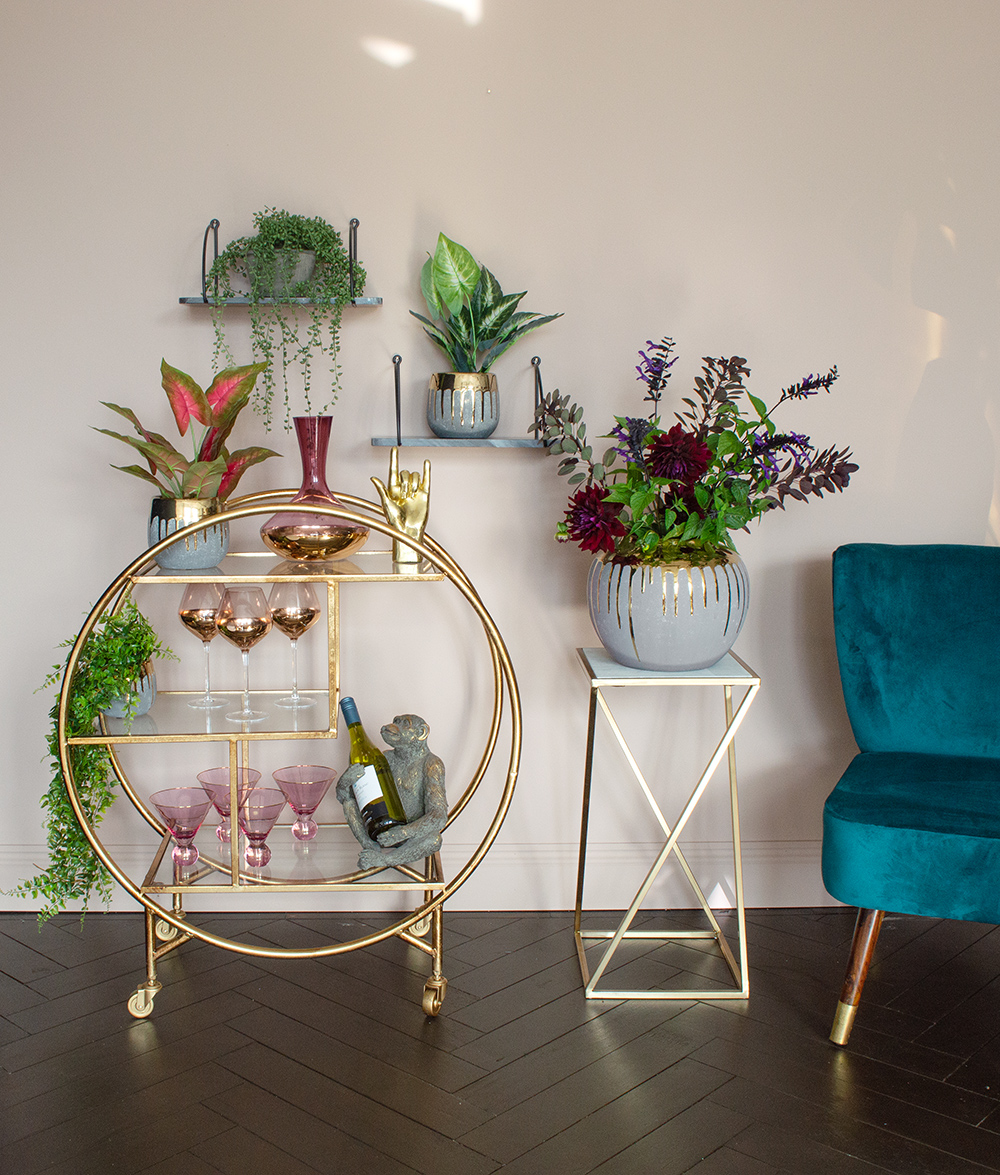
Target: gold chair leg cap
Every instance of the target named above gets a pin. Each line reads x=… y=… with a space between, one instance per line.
x=843 y=1022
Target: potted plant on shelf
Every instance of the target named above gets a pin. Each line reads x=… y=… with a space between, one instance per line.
x=474 y=322
x=288 y=261
x=667 y=590
x=192 y=489
x=114 y=662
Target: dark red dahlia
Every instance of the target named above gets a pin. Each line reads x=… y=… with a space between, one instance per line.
x=678 y=455
x=592 y=522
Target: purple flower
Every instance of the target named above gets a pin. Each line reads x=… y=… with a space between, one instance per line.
x=766 y=450
x=678 y=455
x=654 y=370
x=632 y=435
x=592 y=522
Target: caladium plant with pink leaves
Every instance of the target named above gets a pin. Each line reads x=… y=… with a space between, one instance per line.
x=212 y=472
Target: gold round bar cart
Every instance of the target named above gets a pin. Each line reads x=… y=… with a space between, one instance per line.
x=167 y=925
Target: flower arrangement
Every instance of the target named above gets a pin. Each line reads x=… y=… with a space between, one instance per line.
x=213 y=471
x=680 y=490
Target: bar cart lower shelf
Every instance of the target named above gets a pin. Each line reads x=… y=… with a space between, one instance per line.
x=327 y=864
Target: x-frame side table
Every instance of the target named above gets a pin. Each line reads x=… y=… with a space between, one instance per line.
x=727 y=674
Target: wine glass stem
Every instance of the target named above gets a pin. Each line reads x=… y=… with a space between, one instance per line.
x=208 y=680
x=295 y=675
x=246 y=680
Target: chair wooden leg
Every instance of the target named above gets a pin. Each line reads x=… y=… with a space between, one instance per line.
x=865 y=936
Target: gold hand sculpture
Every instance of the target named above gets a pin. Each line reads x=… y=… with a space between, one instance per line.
x=406 y=504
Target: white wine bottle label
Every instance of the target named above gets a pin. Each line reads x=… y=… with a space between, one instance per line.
x=367 y=789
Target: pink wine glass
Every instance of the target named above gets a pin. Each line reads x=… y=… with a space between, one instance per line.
x=304 y=787
x=257 y=814
x=215 y=781
x=183 y=809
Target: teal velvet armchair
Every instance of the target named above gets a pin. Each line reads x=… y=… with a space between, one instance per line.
x=913 y=826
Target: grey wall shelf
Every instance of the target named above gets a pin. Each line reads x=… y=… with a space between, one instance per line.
x=198 y=300
x=443 y=442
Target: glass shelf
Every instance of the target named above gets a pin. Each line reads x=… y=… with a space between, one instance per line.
x=461 y=442
x=171 y=719
x=263 y=567
x=322 y=863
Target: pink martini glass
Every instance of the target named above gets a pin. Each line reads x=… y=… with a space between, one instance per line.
x=257 y=814
x=215 y=781
x=304 y=787
x=183 y=809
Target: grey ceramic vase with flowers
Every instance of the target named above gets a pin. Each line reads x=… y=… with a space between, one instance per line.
x=668 y=591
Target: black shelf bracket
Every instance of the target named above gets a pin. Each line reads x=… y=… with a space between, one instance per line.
x=396 y=361
x=213 y=228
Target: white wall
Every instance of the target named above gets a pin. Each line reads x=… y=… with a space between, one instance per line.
x=801 y=183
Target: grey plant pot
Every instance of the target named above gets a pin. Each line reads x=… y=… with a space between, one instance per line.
x=670 y=618
x=463 y=405
x=201 y=545
x=146 y=686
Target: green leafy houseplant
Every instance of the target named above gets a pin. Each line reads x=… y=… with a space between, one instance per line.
x=212 y=472
x=260 y=267
x=109 y=666
x=679 y=492
x=474 y=320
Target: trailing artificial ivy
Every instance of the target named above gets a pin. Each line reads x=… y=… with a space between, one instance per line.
x=247 y=267
x=108 y=668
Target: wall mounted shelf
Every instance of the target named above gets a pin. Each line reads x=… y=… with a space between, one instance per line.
x=198 y=300
x=460 y=442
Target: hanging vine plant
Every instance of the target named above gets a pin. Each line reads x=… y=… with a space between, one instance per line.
x=108 y=669
x=288 y=260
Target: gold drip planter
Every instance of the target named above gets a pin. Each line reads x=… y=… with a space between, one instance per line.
x=668 y=617
x=463 y=405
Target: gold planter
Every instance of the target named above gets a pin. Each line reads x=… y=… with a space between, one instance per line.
x=463 y=404
x=203 y=544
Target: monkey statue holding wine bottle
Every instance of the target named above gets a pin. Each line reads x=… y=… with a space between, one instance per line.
x=418 y=776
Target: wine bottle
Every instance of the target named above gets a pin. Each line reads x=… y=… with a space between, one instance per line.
x=375 y=791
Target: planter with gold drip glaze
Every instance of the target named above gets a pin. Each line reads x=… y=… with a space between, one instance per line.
x=671 y=617
x=463 y=405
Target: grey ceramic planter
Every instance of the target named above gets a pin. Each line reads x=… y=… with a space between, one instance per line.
x=146 y=686
x=669 y=618
x=463 y=405
x=202 y=544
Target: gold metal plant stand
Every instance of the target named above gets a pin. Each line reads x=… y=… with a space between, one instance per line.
x=604 y=673
x=163 y=888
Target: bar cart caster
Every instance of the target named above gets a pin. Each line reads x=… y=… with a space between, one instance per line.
x=165 y=932
x=140 y=1002
x=434 y=990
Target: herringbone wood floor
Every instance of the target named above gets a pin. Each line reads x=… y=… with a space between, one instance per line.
x=291 y=1066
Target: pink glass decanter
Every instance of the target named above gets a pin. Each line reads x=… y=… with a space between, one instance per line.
x=306 y=537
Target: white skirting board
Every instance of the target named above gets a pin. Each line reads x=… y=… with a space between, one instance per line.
x=524 y=877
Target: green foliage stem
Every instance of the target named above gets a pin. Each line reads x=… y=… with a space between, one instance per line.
x=109 y=667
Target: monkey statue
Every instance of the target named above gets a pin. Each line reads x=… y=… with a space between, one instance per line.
x=419 y=776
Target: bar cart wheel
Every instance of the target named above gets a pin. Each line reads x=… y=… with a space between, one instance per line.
x=140 y=1002
x=434 y=990
x=165 y=932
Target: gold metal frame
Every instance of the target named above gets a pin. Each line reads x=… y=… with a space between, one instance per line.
x=170 y=926
x=604 y=673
